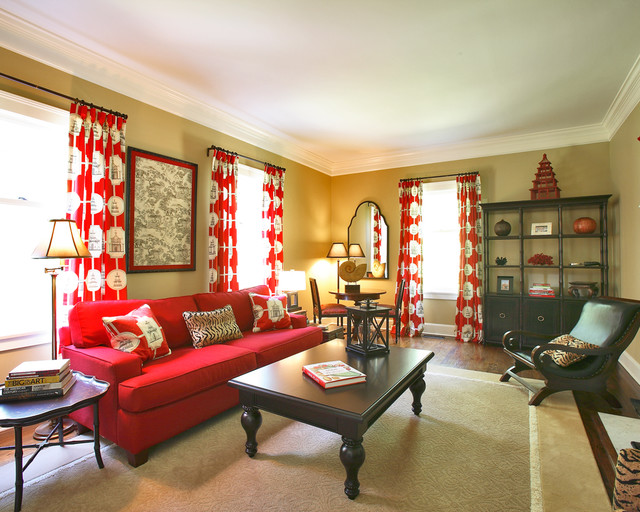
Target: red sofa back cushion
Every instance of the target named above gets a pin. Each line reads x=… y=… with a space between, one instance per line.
x=87 y=330
x=239 y=300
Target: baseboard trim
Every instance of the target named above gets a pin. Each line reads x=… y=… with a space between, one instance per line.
x=439 y=330
x=631 y=365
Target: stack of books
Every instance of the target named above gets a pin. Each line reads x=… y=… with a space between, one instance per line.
x=541 y=290
x=33 y=380
x=332 y=374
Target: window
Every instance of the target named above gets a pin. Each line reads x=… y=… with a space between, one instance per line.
x=251 y=247
x=441 y=240
x=33 y=162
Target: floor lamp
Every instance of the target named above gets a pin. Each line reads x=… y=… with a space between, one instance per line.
x=61 y=242
x=338 y=250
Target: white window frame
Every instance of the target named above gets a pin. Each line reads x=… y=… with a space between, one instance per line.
x=33 y=210
x=430 y=192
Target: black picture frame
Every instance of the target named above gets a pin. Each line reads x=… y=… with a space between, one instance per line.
x=505 y=284
x=161 y=212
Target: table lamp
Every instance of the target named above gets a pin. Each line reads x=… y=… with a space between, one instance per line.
x=337 y=250
x=62 y=242
x=291 y=282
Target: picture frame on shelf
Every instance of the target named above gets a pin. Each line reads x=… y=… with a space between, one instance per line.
x=161 y=212
x=505 y=284
x=541 y=228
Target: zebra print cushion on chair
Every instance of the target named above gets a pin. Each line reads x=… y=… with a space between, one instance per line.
x=626 y=492
x=211 y=327
x=562 y=358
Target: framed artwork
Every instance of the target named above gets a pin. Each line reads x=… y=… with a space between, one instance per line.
x=541 y=228
x=505 y=284
x=161 y=213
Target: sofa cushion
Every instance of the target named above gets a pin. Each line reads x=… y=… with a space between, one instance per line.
x=87 y=330
x=562 y=358
x=185 y=372
x=209 y=327
x=271 y=346
x=239 y=301
x=138 y=332
x=269 y=312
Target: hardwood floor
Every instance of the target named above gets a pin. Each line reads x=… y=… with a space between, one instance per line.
x=492 y=359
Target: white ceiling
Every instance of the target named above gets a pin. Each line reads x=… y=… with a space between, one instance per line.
x=355 y=85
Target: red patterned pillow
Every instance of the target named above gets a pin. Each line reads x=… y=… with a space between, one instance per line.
x=137 y=332
x=269 y=312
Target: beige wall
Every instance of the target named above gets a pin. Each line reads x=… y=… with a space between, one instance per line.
x=580 y=170
x=625 y=173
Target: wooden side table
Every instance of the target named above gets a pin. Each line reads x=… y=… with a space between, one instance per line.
x=86 y=391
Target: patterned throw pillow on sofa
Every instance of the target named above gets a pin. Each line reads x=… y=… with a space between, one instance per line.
x=211 y=327
x=269 y=312
x=562 y=358
x=137 y=332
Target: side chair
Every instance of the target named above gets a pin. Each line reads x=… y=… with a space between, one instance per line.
x=396 y=310
x=330 y=310
x=606 y=327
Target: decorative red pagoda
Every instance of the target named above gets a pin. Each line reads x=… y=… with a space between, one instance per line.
x=545 y=186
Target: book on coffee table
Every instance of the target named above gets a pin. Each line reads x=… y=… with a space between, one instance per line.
x=332 y=374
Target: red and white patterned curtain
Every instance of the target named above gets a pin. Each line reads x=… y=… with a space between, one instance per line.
x=377 y=234
x=410 y=257
x=272 y=213
x=95 y=193
x=469 y=303
x=223 y=233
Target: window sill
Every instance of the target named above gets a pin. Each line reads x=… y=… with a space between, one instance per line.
x=439 y=296
x=19 y=341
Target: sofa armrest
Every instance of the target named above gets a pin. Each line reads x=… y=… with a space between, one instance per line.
x=298 y=321
x=104 y=363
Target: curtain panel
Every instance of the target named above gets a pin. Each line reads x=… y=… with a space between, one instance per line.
x=469 y=303
x=410 y=257
x=272 y=214
x=223 y=234
x=95 y=201
x=377 y=234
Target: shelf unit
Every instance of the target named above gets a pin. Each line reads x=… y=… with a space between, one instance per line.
x=515 y=308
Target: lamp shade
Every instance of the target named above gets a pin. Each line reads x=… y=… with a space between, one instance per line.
x=292 y=281
x=62 y=241
x=338 y=250
x=355 y=251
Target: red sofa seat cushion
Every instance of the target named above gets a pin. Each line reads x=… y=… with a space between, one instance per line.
x=87 y=330
x=185 y=372
x=271 y=346
x=239 y=301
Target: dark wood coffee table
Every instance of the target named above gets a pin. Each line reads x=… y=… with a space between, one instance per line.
x=85 y=392
x=282 y=388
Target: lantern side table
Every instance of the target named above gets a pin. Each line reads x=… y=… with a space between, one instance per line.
x=365 y=326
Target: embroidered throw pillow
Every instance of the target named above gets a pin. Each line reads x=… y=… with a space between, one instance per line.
x=269 y=312
x=562 y=358
x=211 y=327
x=137 y=332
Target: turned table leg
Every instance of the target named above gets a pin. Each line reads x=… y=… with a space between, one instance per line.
x=251 y=420
x=417 y=388
x=352 y=458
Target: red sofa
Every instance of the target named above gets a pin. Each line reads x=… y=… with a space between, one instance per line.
x=147 y=404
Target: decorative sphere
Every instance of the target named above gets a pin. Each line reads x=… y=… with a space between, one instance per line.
x=502 y=228
x=584 y=225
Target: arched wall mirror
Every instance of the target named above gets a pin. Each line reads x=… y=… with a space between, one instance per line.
x=369 y=228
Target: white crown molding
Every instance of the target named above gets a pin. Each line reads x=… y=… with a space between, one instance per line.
x=26 y=39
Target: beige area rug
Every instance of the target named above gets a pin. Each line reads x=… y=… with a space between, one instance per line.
x=477 y=446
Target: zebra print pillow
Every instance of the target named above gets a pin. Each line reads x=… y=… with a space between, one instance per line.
x=562 y=358
x=211 y=327
x=626 y=492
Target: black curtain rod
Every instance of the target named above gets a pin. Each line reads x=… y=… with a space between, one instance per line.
x=77 y=100
x=216 y=148
x=441 y=176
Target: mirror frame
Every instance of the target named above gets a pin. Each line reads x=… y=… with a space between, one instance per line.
x=386 y=268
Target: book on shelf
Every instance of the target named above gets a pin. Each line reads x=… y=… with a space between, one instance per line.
x=12 y=396
x=332 y=374
x=36 y=383
x=541 y=290
x=42 y=368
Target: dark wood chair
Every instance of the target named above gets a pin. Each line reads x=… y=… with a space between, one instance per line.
x=396 y=309
x=610 y=323
x=320 y=311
